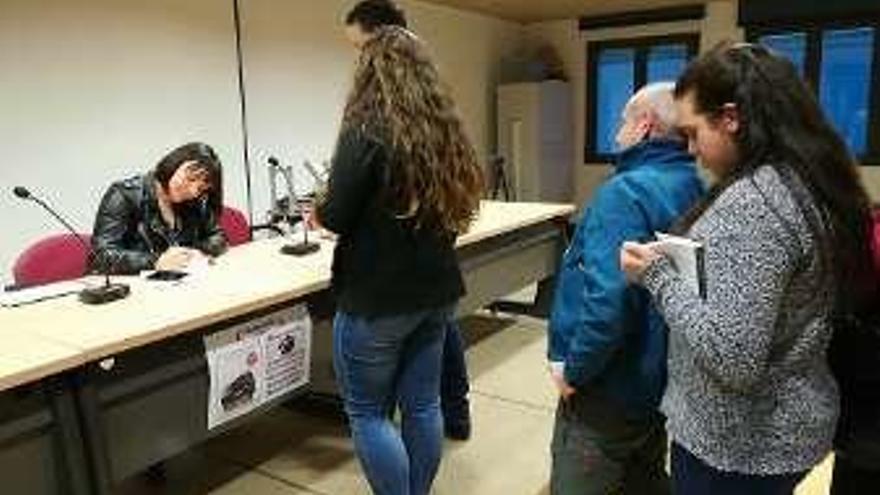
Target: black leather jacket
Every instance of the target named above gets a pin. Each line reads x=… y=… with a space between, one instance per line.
x=130 y=233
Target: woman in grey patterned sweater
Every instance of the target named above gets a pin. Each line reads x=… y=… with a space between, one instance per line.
x=751 y=403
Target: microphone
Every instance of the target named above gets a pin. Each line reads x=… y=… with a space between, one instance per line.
x=280 y=209
x=320 y=180
x=301 y=248
x=106 y=293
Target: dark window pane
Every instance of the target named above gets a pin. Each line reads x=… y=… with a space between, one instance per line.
x=845 y=83
x=616 y=71
x=791 y=45
x=666 y=62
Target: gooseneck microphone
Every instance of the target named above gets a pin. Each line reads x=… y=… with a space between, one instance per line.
x=102 y=294
x=304 y=247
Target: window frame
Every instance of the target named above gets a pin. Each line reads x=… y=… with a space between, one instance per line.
x=813 y=67
x=642 y=46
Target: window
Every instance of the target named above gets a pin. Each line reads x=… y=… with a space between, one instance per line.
x=792 y=45
x=616 y=70
x=667 y=62
x=841 y=63
x=614 y=84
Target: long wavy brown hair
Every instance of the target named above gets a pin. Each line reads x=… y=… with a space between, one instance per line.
x=398 y=99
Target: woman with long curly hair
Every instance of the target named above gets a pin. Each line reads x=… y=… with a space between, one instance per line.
x=404 y=183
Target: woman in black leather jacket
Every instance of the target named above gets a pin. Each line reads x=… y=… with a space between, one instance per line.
x=163 y=219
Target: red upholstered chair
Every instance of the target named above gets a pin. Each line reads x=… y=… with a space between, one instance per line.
x=235 y=226
x=52 y=259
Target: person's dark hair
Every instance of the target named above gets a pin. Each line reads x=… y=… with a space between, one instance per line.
x=205 y=159
x=781 y=124
x=373 y=14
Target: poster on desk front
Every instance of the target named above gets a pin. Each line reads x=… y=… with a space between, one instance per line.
x=256 y=362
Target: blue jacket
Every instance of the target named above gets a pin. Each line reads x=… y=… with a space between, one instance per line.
x=604 y=329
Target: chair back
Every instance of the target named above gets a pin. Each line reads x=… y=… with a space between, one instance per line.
x=52 y=259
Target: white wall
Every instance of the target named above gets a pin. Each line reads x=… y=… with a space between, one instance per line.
x=96 y=90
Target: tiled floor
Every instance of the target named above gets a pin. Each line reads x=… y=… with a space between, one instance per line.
x=291 y=452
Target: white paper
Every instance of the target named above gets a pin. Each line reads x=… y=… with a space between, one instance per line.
x=198 y=264
x=39 y=293
x=557 y=367
x=257 y=361
x=686 y=257
x=235 y=388
x=286 y=349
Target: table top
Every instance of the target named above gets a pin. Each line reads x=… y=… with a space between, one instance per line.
x=26 y=359
x=59 y=334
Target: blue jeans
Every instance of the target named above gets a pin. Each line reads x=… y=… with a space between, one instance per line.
x=692 y=476
x=380 y=361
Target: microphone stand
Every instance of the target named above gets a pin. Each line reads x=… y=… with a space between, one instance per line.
x=499 y=178
x=305 y=247
x=108 y=292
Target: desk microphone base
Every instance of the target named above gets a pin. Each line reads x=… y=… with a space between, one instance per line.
x=301 y=249
x=104 y=294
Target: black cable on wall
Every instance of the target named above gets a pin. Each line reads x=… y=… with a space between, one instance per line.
x=236 y=9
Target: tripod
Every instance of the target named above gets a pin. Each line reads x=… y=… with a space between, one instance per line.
x=499 y=177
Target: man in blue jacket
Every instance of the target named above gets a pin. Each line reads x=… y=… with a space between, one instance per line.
x=607 y=346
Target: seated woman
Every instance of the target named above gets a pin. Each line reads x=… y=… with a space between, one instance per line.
x=163 y=219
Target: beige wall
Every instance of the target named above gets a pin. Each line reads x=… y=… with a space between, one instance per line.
x=299 y=69
x=871 y=176
x=95 y=90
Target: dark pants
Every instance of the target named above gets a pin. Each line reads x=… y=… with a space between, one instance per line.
x=691 y=476
x=454 y=385
x=850 y=479
x=597 y=450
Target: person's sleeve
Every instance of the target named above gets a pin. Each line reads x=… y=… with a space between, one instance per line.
x=747 y=268
x=614 y=217
x=108 y=238
x=352 y=182
x=213 y=242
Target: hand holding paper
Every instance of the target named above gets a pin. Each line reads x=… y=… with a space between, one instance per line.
x=687 y=256
x=634 y=260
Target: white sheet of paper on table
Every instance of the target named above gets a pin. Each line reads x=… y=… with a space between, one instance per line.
x=40 y=293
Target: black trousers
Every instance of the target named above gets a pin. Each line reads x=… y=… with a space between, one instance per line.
x=597 y=450
x=692 y=476
x=454 y=386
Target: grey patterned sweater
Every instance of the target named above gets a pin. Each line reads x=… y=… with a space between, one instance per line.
x=749 y=389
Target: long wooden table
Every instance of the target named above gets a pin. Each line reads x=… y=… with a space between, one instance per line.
x=148 y=402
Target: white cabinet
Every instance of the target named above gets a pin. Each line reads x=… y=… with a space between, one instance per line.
x=535 y=138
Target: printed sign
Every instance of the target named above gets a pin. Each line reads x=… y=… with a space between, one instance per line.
x=257 y=361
